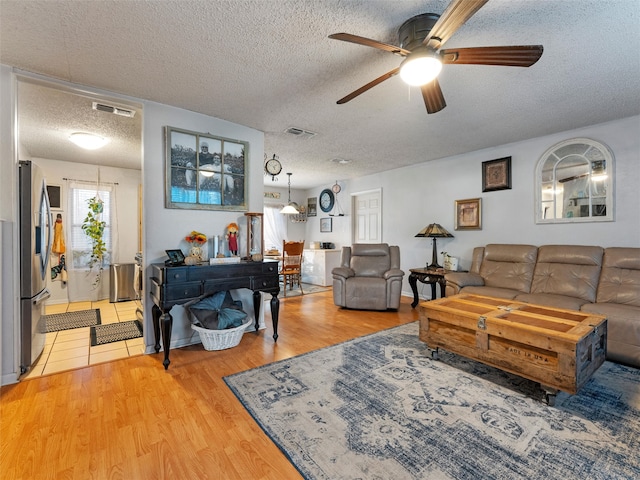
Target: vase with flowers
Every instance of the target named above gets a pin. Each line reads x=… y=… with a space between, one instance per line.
x=196 y=240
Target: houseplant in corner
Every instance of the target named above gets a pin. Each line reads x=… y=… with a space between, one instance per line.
x=93 y=227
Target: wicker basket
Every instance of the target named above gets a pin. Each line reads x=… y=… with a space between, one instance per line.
x=221 y=339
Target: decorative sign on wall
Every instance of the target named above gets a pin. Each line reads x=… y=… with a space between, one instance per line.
x=205 y=172
x=275 y=195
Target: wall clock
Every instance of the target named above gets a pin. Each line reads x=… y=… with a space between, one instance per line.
x=326 y=200
x=273 y=167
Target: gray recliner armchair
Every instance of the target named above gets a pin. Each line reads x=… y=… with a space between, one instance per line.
x=369 y=277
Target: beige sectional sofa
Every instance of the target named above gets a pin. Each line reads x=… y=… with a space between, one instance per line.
x=593 y=279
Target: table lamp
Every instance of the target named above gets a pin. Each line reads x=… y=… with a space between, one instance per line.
x=434 y=230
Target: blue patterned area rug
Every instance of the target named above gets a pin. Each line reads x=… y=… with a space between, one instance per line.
x=379 y=407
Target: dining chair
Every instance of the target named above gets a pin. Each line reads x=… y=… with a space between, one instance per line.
x=291 y=267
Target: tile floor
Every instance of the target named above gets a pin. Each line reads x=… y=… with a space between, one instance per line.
x=71 y=349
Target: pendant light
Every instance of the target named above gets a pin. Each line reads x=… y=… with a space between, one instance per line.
x=291 y=208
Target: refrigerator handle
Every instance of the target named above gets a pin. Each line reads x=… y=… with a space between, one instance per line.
x=49 y=214
x=41 y=297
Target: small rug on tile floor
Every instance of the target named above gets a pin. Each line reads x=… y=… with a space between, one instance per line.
x=115 y=332
x=379 y=407
x=307 y=288
x=69 y=320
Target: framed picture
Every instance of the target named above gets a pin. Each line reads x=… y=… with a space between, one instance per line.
x=312 y=206
x=204 y=172
x=176 y=257
x=496 y=174
x=325 y=224
x=468 y=214
x=55 y=196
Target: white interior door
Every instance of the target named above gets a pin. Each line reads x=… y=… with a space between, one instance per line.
x=367 y=218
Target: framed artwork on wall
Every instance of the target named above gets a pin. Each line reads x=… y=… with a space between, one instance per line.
x=496 y=174
x=468 y=214
x=312 y=206
x=55 y=196
x=204 y=172
x=325 y=224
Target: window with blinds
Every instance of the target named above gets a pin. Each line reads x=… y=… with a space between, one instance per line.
x=80 y=241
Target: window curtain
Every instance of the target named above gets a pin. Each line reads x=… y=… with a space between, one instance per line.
x=275 y=227
x=86 y=284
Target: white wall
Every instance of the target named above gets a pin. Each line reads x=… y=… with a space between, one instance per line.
x=416 y=196
x=8 y=211
x=165 y=228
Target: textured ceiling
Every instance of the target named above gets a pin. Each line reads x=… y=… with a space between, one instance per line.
x=270 y=65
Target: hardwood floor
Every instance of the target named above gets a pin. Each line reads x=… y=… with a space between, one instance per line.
x=130 y=419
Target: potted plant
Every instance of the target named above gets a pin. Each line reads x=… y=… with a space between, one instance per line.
x=93 y=227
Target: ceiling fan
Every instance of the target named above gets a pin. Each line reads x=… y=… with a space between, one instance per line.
x=421 y=39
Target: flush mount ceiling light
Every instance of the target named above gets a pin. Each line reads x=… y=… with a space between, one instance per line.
x=420 y=67
x=88 y=141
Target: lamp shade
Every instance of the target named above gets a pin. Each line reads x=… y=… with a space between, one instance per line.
x=291 y=208
x=434 y=230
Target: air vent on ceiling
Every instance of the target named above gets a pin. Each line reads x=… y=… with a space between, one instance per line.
x=341 y=161
x=300 y=133
x=123 y=112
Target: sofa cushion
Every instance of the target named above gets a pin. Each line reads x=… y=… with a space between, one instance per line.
x=623 y=331
x=509 y=266
x=552 y=300
x=620 y=277
x=568 y=270
x=505 y=293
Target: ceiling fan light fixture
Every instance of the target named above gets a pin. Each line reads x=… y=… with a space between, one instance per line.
x=88 y=141
x=420 y=68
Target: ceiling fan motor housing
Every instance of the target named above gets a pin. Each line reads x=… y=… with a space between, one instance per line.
x=412 y=32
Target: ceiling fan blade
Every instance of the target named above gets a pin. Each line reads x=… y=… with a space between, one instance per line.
x=367 y=42
x=458 y=12
x=433 y=97
x=514 y=56
x=369 y=85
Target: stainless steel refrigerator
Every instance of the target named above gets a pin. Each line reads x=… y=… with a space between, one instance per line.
x=35 y=246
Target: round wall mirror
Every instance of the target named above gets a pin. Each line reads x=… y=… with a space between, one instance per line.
x=574 y=183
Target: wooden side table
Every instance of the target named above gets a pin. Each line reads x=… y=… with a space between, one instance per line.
x=428 y=277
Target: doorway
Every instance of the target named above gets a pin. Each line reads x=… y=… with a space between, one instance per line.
x=48 y=112
x=367 y=217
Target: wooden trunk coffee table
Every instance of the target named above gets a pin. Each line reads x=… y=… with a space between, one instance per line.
x=560 y=349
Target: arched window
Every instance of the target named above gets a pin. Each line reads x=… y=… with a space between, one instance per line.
x=574 y=183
